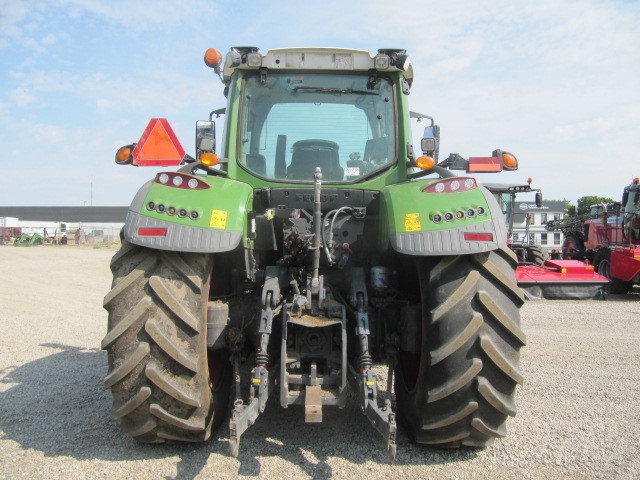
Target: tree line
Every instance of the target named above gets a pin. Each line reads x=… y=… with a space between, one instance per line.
x=583 y=205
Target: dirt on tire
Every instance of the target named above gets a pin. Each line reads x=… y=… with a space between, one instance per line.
x=156 y=344
x=464 y=389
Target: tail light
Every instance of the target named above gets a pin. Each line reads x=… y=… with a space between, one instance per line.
x=181 y=180
x=451 y=185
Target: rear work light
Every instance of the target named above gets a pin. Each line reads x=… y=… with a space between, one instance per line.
x=180 y=180
x=152 y=232
x=451 y=185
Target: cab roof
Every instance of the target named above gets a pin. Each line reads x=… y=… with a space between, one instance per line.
x=318 y=58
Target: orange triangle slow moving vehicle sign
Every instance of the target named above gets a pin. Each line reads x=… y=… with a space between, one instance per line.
x=158 y=146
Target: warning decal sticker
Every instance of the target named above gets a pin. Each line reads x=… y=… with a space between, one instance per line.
x=218 y=219
x=412 y=222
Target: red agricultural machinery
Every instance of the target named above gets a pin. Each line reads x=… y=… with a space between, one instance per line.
x=537 y=275
x=609 y=238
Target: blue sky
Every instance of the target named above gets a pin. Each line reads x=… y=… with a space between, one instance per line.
x=555 y=82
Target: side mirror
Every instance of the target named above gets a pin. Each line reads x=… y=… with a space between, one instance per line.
x=431 y=141
x=205 y=137
x=538 y=199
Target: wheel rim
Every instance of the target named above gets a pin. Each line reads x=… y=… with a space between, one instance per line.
x=603 y=268
x=567 y=248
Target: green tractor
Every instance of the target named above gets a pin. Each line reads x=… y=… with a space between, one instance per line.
x=311 y=246
x=28 y=240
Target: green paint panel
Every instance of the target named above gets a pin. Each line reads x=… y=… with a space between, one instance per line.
x=409 y=209
x=224 y=206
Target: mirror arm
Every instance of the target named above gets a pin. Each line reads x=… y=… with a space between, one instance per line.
x=455 y=162
x=443 y=172
x=217 y=113
x=187 y=159
x=190 y=168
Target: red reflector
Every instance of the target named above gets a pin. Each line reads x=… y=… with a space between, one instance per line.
x=152 y=232
x=484 y=164
x=478 y=237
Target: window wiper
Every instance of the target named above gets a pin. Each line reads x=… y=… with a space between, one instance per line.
x=339 y=91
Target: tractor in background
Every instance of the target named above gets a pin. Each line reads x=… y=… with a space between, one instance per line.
x=526 y=252
x=537 y=275
x=608 y=238
x=28 y=240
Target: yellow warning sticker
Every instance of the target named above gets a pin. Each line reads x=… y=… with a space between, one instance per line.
x=412 y=222
x=218 y=219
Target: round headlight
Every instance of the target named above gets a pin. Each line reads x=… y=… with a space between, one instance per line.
x=439 y=187
x=192 y=183
x=455 y=185
x=177 y=180
x=163 y=178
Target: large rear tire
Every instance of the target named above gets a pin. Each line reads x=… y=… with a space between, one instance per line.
x=602 y=264
x=458 y=390
x=536 y=255
x=571 y=247
x=164 y=385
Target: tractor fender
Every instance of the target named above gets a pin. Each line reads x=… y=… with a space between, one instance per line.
x=415 y=223
x=202 y=221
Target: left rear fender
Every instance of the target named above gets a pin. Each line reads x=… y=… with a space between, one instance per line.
x=215 y=219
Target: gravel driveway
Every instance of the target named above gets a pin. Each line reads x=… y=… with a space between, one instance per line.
x=578 y=412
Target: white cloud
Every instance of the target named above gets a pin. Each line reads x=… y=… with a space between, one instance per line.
x=142 y=14
x=49 y=40
x=48 y=134
x=12 y=13
x=553 y=81
x=22 y=97
x=4 y=112
x=103 y=105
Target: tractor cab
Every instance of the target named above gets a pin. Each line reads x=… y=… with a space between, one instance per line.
x=631 y=213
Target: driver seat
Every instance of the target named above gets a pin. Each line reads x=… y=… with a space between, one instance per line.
x=308 y=154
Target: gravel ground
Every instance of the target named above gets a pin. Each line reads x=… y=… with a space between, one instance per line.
x=578 y=414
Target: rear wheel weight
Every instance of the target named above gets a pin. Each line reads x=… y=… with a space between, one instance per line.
x=462 y=389
x=159 y=372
